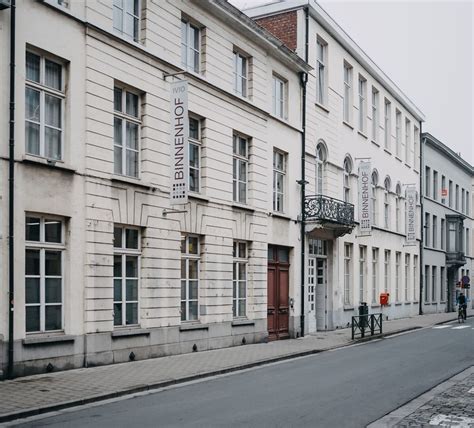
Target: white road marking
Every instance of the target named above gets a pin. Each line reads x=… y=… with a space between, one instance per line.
x=471 y=391
x=459 y=327
x=452 y=421
x=441 y=326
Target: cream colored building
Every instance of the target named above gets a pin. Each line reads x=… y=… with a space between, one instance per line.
x=105 y=269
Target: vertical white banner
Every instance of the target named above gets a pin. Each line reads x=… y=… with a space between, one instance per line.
x=179 y=143
x=411 y=216
x=365 y=197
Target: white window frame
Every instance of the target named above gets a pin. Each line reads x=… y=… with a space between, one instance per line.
x=427 y=229
x=398 y=133
x=125 y=119
x=44 y=91
x=279 y=195
x=362 y=272
x=320 y=164
x=362 y=104
x=416 y=138
x=279 y=97
x=416 y=279
x=387 y=262
x=435 y=185
x=387 y=123
x=348 y=252
x=119 y=8
x=346 y=180
x=321 y=70
x=187 y=256
x=442 y=283
x=434 y=283
x=239 y=260
x=386 y=203
x=375 y=114
x=241 y=77
x=188 y=50
x=238 y=160
x=375 y=273
x=43 y=246
x=347 y=97
x=407 y=140
x=407 y=276
x=125 y=252
x=434 y=240
x=198 y=144
x=398 y=276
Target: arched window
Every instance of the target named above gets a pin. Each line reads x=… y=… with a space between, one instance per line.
x=374 y=182
x=398 y=197
x=386 y=202
x=347 y=179
x=321 y=157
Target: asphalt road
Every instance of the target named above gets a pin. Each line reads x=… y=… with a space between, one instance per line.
x=349 y=387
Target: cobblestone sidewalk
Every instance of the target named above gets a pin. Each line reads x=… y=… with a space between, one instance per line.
x=32 y=395
x=450 y=404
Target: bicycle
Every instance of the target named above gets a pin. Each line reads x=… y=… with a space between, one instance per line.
x=461 y=313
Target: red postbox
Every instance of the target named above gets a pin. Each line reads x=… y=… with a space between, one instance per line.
x=384 y=298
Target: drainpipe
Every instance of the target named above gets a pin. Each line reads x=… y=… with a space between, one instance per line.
x=303 y=81
x=422 y=220
x=11 y=179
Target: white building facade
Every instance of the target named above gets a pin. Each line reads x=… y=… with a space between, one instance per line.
x=105 y=268
x=354 y=114
x=448 y=220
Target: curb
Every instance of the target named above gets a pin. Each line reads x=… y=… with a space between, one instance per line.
x=8 y=417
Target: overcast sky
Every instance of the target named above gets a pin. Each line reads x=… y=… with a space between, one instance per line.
x=427 y=48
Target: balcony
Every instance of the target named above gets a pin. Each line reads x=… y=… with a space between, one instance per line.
x=455 y=259
x=335 y=217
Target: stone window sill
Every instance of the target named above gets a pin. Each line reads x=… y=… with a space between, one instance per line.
x=242 y=207
x=280 y=215
x=193 y=327
x=348 y=124
x=348 y=308
x=48 y=163
x=198 y=197
x=130 y=332
x=132 y=180
x=242 y=322
x=362 y=135
x=42 y=339
x=322 y=107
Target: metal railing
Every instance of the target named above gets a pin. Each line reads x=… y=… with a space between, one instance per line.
x=321 y=207
x=362 y=325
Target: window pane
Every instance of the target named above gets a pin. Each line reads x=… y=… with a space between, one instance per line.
x=242 y=270
x=194 y=155
x=193 y=269
x=32 y=135
x=117 y=290
x=195 y=61
x=117 y=160
x=194 y=37
x=183 y=245
x=117 y=266
x=193 y=311
x=32 y=67
x=117 y=99
x=242 y=250
x=131 y=290
x=194 y=180
x=32 y=108
x=129 y=26
x=53 y=317
x=32 y=290
x=32 y=318
x=132 y=163
x=183 y=290
x=32 y=262
x=117 y=314
x=243 y=171
x=52 y=263
x=283 y=255
x=53 y=291
x=52 y=111
x=118 y=13
x=52 y=230
x=118 y=237
x=52 y=143
x=131 y=267
x=53 y=75
x=131 y=238
x=243 y=147
x=242 y=193
x=183 y=268
x=132 y=313
x=132 y=135
x=183 y=311
x=193 y=290
x=193 y=243
x=32 y=229
x=118 y=131
x=193 y=128
x=242 y=308
x=132 y=104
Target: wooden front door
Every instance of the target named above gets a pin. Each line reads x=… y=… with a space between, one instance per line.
x=278 y=307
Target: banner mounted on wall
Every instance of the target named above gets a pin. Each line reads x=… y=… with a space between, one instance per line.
x=411 y=216
x=365 y=197
x=179 y=142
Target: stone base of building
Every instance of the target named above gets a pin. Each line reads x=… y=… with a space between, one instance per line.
x=50 y=353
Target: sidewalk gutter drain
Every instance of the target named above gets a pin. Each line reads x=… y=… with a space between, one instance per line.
x=49 y=368
x=195 y=348
x=131 y=357
x=243 y=341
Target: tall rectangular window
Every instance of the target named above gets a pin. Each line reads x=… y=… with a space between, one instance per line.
x=443 y=234
x=279 y=97
x=435 y=185
x=44 y=99
x=126 y=132
x=427 y=283
x=416 y=140
x=347 y=273
x=463 y=201
x=434 y=243
x=398 y=133
x=443 y=190
x=407 y=277
x=190 y=258
x=362 y=103
x=279 y=178
x=434 y=283
x=44 y=273
x=126 y=15
x=407 y=140
x=362 y=272
x=240 y=168
x=442 y=283
x=450 y=194
x=398 y=276
x=468 y=249
x=321 y=58
x=386 y=209
x=375 y=273
x=240 y=74
x=387 y=123
x=239 y=279
x=190 y=46
x=456 y=196
x=375 y=114
x=195 y=143
x=347 y=112
x=427 y=230
x=468 y=211
x=386 y=270
x=427 y=181
x=416 y=280
x=126 y=275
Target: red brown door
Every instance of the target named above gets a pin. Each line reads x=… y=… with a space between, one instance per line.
x=278 y=311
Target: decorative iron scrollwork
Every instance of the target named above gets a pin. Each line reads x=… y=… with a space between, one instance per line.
x=320 y=207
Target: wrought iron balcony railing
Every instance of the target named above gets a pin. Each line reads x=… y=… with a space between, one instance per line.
x=324 y=208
